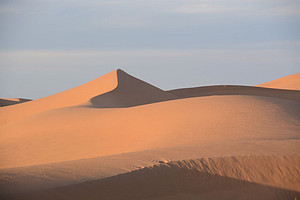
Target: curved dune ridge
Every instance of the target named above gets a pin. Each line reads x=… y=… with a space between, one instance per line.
x=236 y=90
x=117 y=123
x=71 y=97
x=290 y=82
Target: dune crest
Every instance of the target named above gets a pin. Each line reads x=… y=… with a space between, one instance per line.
x=290 y=82
x=71 y=97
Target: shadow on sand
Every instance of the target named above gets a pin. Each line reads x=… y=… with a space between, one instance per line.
x=125 y=98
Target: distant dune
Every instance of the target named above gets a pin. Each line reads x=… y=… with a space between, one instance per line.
x=118 y=137
x=12 y=101
x=291 y=82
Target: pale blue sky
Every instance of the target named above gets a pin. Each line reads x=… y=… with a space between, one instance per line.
x=47 y=46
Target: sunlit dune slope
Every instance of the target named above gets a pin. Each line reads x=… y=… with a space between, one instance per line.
x=83 y=132
x=70 y=97
x=290 y=82
x=12 y=101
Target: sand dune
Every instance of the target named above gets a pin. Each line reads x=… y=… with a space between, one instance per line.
x=12 y=101
x=291 y=82
x=117 y=123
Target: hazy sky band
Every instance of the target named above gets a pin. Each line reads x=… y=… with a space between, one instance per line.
x=206 y=42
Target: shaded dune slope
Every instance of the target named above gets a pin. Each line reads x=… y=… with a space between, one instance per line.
x=246 y=177
x=290 y=82
x=130 y=91
x=236 y=90
x=12 y=101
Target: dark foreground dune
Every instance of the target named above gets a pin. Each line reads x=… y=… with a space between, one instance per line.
x=246 y=177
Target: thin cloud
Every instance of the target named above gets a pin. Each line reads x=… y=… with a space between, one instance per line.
x=289 y=10
x=9 y=9
x=203 y=8
x=115 y=2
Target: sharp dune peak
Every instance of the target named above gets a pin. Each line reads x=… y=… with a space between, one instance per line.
x=130 y=91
